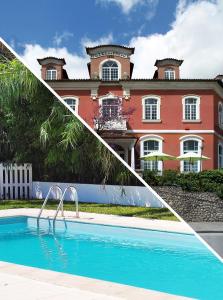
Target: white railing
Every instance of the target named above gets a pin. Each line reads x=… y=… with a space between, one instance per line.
x=113 y=124
x=54 y=191
x=15 y=181
x=73 y=197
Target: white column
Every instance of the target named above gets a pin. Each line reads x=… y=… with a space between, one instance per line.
x=133 y=157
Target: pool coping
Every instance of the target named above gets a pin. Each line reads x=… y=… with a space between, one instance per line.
x=95 y=286
x=105 y=219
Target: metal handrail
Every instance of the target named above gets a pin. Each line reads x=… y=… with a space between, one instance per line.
x=60 y=205
x=58 y=190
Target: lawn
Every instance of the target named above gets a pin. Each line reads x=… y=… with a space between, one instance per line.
x=111 y=209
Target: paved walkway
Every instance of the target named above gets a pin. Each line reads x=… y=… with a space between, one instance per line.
x=212 y=233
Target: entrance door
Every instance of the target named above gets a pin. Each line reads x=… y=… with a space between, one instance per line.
x=119 y=149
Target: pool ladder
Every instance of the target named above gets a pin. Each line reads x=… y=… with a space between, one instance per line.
x=59 y=195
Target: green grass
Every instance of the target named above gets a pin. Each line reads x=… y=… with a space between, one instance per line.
x=111 y=209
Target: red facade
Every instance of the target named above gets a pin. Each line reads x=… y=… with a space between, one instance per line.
x=139 y=116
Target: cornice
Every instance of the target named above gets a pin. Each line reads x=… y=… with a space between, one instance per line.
x=129 y=85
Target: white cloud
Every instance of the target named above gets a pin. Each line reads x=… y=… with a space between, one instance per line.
x=86 y=42
x=59 y=38
x=128 y=5
x=195 y=36
x=76 y=65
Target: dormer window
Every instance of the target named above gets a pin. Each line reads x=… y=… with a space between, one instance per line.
x=169 y=74
x=51 y=73
x=110 y=70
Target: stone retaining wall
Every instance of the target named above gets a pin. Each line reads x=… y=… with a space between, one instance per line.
x=192 y=206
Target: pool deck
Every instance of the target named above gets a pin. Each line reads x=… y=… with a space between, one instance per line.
x=27 y=283
x=212 y=233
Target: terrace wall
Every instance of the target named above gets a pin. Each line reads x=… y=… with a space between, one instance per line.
x=112 y=194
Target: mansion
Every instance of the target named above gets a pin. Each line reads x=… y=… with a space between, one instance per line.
x=138 y=116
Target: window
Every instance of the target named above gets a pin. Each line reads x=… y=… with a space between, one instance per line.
x=51 y=73
x=220 y=155
x=191 y=108
x=110 y=70
x=220 y=114
x=169 y=74
x=148 y=144
x=191 y=145
x=72 y=102
x=151 y=108
x=110 y=108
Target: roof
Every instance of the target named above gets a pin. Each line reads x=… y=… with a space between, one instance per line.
x=168 y=61
x=41 y=60
x=88 y=49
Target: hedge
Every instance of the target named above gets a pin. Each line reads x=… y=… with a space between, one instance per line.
x=205 y=181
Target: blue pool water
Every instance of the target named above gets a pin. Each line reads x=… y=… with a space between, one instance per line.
x=162 y=261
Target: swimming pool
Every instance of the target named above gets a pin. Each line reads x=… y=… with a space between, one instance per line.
x=167 y=262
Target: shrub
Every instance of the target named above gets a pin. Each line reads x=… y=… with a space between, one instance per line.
x=189 y=185
x=151 y=177
x=215 y=176
x=208 y=186
x=220 y=192
x=169 y=177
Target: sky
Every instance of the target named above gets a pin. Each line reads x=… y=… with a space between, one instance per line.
x=183 y=29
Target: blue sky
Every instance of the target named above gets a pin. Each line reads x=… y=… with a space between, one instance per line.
x=183 y=29
x=43 y=20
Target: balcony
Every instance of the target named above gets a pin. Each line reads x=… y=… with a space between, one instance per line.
x=119 y=124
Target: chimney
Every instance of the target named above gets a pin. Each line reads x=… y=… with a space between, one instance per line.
x=167 y=69
x=52 y=68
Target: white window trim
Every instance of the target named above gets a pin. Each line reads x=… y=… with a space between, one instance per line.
x=197 y=107
x=109 y=96
x=51 y=69
x=170 y=70
x=220 y=143
x=64 y=97
x=149 y=137
x=220 y=118
x=158 y=98
x=110 y=59
x=193 y=138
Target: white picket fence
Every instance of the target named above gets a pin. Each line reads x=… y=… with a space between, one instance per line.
x=15 y=181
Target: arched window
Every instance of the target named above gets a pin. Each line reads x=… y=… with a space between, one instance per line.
x=110 y=108
x=194 y=145
x=191 y=108
x=110 y=70
x=220 y=155
x=151 y=108
x=51 y=73
x=220 y=114
x=72 y=102
x=169 y=74
x=148 y=145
